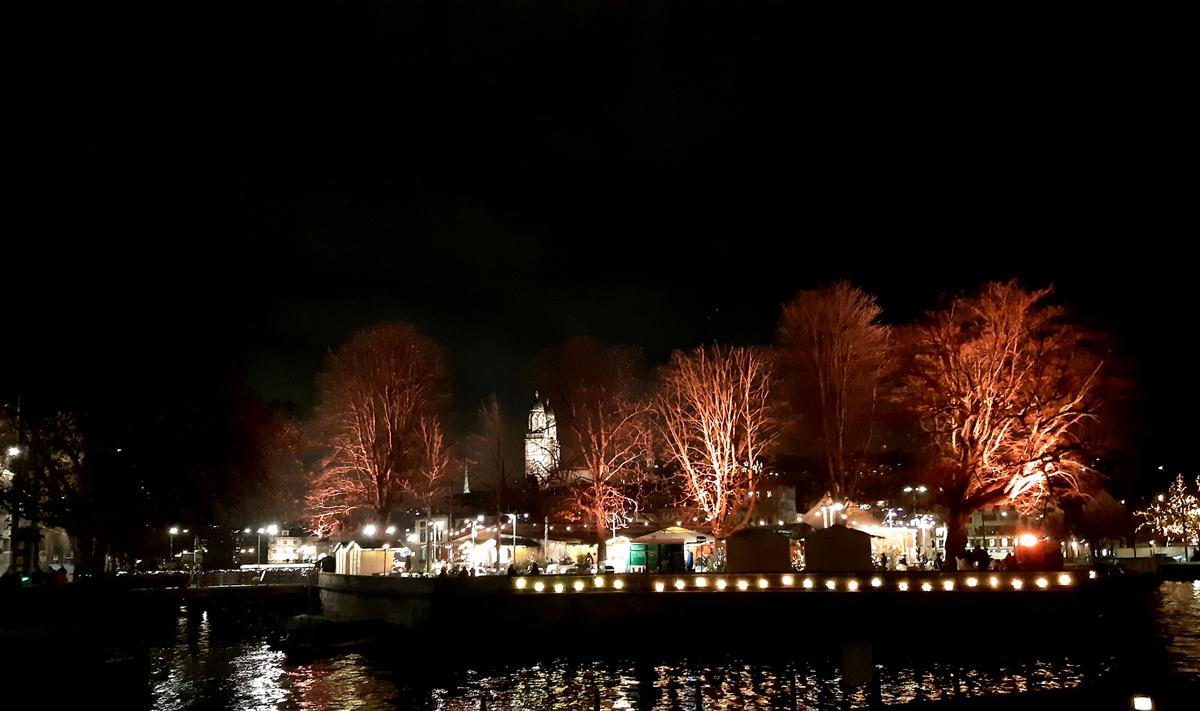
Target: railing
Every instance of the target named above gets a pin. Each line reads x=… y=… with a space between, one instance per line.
x=862 y=583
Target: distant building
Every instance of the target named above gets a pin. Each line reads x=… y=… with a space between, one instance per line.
x=541 y=441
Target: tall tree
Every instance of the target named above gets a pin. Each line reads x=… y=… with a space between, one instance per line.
x=835 y=349
x=717 y=425
x=430 y=486
x=376 y=393
x=1005 y=387
x=604 y=412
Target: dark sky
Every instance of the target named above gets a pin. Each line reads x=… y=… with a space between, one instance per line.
x=239 y=192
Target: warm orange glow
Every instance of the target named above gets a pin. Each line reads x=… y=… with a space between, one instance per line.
x=852 y=585
x=721 y=585
x=618 y=584
x=1042 y=582
x=808 y=583
x=1064 y=579
x=994 y=581
x=558 y=587
x=701 y=582
x=1028 y=540
x=947 y=584
x=680 y=585
x=520 y=583
x=660 y=586
x=742 y=584
x=787 y=580
x=598 y=581
x=539 y=586
x=578 y=585
x=902 y=585
x=972 y=582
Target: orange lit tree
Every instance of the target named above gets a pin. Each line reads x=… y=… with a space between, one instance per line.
x=717 y=426
x=1006 y=390
x=429 y=486
x=378 y=394
x=603 y=412
x=834 y=348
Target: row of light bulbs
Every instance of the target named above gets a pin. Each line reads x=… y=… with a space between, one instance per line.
x=994 y=582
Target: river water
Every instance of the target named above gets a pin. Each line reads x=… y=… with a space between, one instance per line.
x=203 y=663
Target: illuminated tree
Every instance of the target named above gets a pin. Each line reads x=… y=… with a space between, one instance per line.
x=377 y=395
x=833 y=345
x=1006 y=390
x=717 y=427
x=430 y=486
x=1174 y=514
x=604 y=414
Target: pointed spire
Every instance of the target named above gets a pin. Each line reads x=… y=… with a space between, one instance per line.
x=466 y=479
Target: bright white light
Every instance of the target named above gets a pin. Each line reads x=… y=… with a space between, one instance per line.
x=947 y=585
x=539 y=586
x=721 y=585
x=1042 y=582
x=598 y=581
x=14 y=451
x=787 y=580
x=680 y=585
x=578 y=585
x=994 y=581
x=558 y=587
x=660 y=586
x=762 y=583
x=390 y=530
x=174 y=530
x=852 y=585
x=926 y=587
x=831 y=584
x=903 y=586
x=701 y=582
x=876 y=582
x=1091 y=575
x=272 y=529
x=972 y=582
x=1016 y=583
x=1064 y=579
x=808 y=583
x=1028 y=540
x=369 y=529
x=1143 y=703
x=245 y=530
x=618 y=584
x=743 y=584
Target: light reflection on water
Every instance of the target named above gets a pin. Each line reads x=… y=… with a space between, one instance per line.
x=243 y=671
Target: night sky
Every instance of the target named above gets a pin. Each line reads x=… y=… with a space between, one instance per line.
x=236 y=194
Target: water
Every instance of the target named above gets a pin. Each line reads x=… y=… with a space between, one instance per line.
x=205 y=663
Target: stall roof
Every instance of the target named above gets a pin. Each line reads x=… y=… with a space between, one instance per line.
x=669 y=535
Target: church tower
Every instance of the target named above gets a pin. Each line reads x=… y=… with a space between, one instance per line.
x=541 y=441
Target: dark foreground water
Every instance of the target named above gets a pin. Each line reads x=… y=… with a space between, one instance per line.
x=200 y=661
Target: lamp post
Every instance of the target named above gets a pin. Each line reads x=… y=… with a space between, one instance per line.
x=172 y=531
x=512 y=558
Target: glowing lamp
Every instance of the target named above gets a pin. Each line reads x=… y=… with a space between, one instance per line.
x=972 y=582
x=598 y=581
x=852 y=585
x=831 y=584
x=721 y=584
x=762 y=583
x=1064 y=579
x=742 y=584
x=578 y=585
x=926 y=587
x=1143 y=703
x=947 y=585
x=876 y=582
x=680 y=585
x=1016 y=583
x=994 y=581
x=1042 y=583
x=1091 y=575
x=539 y=586
x=660 y=586
x=618 y=584
x=808 y=583
x=558 y=587
x=787 y=580
x=1028 y=540
x=520 y=583
x=902 y=586
x=701 y=582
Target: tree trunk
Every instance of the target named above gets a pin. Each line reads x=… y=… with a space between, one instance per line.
x=956 y=536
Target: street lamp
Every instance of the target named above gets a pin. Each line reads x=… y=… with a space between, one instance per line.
x=174 y=531
x=512 y=558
